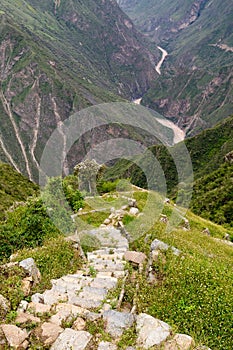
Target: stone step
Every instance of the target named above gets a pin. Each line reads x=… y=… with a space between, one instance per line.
x=104 y=282
x=83 y=302
x=110 y=266
x=93 y=293
x=106 y=256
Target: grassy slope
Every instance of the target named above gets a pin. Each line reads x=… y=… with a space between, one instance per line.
x=193 y=293
x=213 y=186
x=13 y=188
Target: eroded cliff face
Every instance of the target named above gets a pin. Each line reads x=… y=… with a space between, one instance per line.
x=47 y=73
x=162 y=21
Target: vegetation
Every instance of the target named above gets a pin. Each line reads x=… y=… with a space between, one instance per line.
x=13 y=188
x=212 y=192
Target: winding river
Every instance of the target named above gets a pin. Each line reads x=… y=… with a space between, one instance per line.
x=179 y=135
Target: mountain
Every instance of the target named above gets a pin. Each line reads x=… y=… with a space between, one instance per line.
x=211 y=156
x=58 y=58
x=195 y=87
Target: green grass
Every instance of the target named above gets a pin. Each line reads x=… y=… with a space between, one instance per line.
x=54 y=259
x=192 y=293
x=13 y=188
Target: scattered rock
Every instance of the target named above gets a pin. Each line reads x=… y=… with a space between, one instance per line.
x=22 y=306
x=163 y=219
x=105 y=345
x=158 y=245
x=48 y=332
x=117 y=322
x=135 y=257
x=30 y=267
x=133 y=211
x=26 y=318
x=4 y=306
x=79 y=324
x=14 y=335
x=26 y=285
x=227 y=237
x=179 y=342
x=92 y=316
x=186 y=224
x=39 y=308
x=66 y=312
x=132 y=202
x=107 y=221
x=151 y=331
x=206 y=231
x=37 y=298
x=71 y=339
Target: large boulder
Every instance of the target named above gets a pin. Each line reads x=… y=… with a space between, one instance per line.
x=30 y=267
x=151 y=331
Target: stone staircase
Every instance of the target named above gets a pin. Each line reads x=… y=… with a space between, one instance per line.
x=76 y=299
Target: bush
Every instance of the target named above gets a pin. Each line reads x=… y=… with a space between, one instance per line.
x=27 y=226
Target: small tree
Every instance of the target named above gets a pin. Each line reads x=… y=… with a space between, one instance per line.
x=87 y=173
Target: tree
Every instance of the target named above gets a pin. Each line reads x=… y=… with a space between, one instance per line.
x=88 y=173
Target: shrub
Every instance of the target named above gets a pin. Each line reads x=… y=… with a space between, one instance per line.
x=27 y=226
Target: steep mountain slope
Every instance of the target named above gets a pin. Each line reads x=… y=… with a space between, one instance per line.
x=57 y=58
x=211 y=155
x=195 y=88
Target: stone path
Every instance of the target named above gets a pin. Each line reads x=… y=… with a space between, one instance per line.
x=76 y=299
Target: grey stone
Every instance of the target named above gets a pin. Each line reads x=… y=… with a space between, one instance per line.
x=52 y=297
x=133 y=211
x=151 y=331
x=206 y=231
x=71 y=339
x=105 y=345
x=4 y=305
x=117 y=322
x=30 y=267
x=22 y=306
x=160 y=245
x=37 y=298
